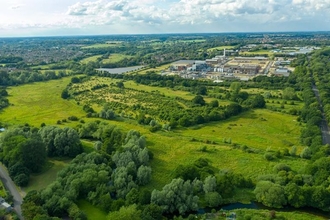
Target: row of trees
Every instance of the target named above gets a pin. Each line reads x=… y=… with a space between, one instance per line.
x=23 y=77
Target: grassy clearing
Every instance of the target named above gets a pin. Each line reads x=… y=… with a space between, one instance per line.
x=42 y=180
x=42 y=67
x=116 y=57
x=157 y=69
x=91 y=211
x=39 y=102
x=174 y=148
x=220 y=48
x=101 y=46
x=90 y=59
x=3 y=192
x=268 y=52
x=113 y=58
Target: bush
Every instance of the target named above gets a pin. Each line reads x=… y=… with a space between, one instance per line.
x=269 y=156
x=73 y=118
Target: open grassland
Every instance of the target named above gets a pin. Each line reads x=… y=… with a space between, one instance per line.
x=116 y=57
x=261 y=130
x=113 y=58
x=268 y=52
x=39 y=102
x=183 y=146
x=90 y=59
x=91 y=211
x=101 y=46
x=3 y=192
x=47 y=176
x=157 y=69
x=220 y=48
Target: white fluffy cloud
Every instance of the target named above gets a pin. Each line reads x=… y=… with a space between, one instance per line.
x=157 y=16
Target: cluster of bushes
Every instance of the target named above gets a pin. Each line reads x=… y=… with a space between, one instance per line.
x=106 y=181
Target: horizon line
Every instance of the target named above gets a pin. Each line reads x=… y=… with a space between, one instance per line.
x=165 y=33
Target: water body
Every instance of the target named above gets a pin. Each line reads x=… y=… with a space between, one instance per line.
x=119 y=70
x=255 y=205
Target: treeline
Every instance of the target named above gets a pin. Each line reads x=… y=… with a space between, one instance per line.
x=4 y=102
x=320 y=69
x=10 y=59
x=23 y=77
x=24 y=149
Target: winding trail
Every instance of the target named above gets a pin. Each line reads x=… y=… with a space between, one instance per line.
x=11 y=187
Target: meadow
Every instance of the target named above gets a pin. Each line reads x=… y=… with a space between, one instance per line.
x=113 y=58
x=38 y=103
x=220 y=48
x=268 y=52
x=260 y=130
x=47 y=176
x=95 y=46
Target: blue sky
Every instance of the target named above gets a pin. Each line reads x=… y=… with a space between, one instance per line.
x=89 y=17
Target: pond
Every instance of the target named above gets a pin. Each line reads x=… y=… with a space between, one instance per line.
x=119 y=70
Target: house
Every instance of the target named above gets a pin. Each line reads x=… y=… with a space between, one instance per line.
x=282 y=72
x=5 y=205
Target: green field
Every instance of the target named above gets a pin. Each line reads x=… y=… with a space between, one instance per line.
x=91 y=211
x=174 y=148
x=39 y=102
x=157 y=69
x=42 y=180
x=220 y=48
x=90 y=59
x=3 y=192
x=101 y=46
x=268 y=52
x=113 y=58
x=116 y=57
x=261 y=130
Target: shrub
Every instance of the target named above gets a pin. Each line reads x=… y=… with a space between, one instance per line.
x=269 y=156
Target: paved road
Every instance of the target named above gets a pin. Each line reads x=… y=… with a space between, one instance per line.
x=324 y=124
x=11 y=187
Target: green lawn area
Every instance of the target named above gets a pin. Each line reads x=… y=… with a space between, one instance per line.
x=91 y=211
x=101 y=46
x=3 y=192
x=42 y=180
x=113 y=58
x=90 y=59
x=220 y=48
x=39 y=102
x=42 y=67
x=157 y=69
x=116 y=57
x=268 y=52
